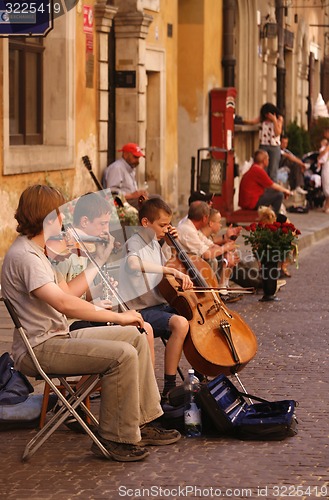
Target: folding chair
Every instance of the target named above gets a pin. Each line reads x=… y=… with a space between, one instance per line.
x=69 y=404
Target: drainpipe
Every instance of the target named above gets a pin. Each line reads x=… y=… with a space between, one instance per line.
x=280 y=67
x=111 y=153
x=228 y=60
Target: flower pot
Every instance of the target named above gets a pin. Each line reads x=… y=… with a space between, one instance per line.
x=270 y=275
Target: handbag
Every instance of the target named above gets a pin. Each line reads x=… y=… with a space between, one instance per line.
x=14 y=386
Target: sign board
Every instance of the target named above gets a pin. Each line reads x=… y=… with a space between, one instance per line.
x=31 y=17
x=27 y=18
x=88 y=19
x=125 y=79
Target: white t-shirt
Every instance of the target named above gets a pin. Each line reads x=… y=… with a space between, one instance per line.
x=267 y=136
x=136 y=288
x=190 y=239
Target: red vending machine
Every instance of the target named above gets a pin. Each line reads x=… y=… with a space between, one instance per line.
x=221 y=125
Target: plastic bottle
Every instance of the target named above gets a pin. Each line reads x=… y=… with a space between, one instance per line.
x=192 y=413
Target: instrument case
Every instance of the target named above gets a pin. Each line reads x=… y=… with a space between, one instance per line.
x=230 y=412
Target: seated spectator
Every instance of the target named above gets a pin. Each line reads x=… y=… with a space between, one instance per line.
x=193 y=241
x=257 y=188
x=296 y=167
x=120 y=176
x=198 y=196
x=211 y=233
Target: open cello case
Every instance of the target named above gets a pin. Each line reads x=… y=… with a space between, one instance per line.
x=219 y=345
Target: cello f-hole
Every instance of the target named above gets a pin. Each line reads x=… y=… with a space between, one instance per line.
x=202 y=322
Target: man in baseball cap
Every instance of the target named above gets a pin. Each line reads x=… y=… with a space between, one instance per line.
x=120 y=176
x=132 y=148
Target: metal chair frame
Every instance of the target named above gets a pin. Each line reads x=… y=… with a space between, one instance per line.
x=75 y=398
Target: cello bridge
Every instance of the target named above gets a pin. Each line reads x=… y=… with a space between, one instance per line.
x=214 y=308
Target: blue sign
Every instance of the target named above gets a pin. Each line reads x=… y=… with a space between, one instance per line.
x=28 y=18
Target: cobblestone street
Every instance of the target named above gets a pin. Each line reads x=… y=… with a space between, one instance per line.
x=291 y=363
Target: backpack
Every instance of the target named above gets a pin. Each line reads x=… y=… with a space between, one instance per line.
x=18 y=408
x=14 y=386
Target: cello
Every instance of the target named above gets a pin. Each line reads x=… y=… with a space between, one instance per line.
x=219 y=340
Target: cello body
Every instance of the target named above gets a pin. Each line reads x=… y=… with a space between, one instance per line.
x=219 y=340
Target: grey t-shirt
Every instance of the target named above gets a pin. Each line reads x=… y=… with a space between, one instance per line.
x=26 y=268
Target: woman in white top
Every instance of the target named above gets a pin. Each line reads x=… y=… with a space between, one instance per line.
x=271 y=122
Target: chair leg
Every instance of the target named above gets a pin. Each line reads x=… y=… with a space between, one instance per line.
x=70 y=406
x=44 y=407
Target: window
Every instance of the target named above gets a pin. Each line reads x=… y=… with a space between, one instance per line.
x=25 y=90
x=38 y=81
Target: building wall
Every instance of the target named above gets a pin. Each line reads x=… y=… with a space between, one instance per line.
x=199 y=70
x=70 y=125
x=257 y=58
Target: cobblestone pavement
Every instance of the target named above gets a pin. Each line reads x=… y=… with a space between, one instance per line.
x=291 y=363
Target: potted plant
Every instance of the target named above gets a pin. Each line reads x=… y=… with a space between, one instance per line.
x=271 y=244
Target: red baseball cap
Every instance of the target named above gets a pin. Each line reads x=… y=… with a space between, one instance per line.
x=133 y=148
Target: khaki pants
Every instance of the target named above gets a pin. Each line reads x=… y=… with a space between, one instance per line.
x=129 y=396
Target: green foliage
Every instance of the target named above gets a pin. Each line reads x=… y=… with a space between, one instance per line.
x=316 y=132
x=299 y=139
x=271 y=242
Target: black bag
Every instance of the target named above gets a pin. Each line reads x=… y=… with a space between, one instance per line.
x=231 y=414
x=14 y=386
x=173 y=409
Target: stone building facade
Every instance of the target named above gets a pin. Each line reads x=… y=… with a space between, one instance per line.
x=116 y=71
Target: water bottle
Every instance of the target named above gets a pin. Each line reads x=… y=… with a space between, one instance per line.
x=192 y=413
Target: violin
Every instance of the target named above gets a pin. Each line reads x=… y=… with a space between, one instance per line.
x=219 y=340
x=60 y=247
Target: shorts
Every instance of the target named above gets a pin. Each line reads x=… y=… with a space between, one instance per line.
x=159 y=317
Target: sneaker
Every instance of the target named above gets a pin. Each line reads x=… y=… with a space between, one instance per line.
x=121 y=452
x=155 y=435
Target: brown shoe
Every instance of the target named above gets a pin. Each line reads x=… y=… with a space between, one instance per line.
x=155 y=435
x=121 y=452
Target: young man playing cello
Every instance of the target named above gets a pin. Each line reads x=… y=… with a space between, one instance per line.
x=142 y=270
x=130 y=398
